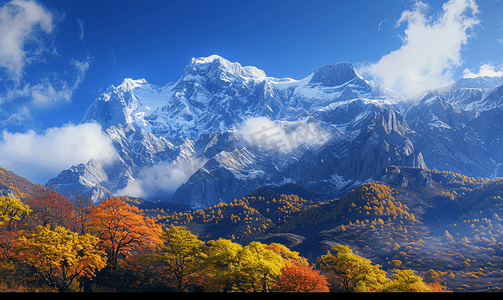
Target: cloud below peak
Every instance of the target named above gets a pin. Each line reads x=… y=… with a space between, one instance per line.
x=40 y=157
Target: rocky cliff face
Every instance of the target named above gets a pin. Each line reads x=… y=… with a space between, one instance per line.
x=446 y=139
x=381 y=138
x=404 y=176
x=88 y=178
x=6 y=192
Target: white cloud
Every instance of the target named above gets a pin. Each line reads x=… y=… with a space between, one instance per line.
x=21 y=22
x=40 y=157
x=485 y=70
x=45 y=92
x=163 y=177
x=268 y=135
x=26 y=28
x=431 y=47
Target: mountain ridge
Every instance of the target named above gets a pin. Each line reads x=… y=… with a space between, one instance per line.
x=348 y=128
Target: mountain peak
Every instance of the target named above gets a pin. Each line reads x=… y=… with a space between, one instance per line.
x=128 y=84
x=331 y=75
x=205 y=65
x=208 y=59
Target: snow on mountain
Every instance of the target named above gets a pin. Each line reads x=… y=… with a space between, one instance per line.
x=214 y=95
x=128 y=104
x=83 y=179
x=473 y=95
x=224 y=129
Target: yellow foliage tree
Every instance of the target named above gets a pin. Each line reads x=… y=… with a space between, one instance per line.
x=350 y=272
x=60 y=256
x=250 y=268
x=181 y=255
x=11 y=209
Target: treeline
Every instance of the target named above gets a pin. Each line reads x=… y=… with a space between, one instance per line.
x=48 y=243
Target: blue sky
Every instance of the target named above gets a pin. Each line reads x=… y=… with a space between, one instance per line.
x=57 y=56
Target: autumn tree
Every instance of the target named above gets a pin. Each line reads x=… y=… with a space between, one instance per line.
x=49 y=208
x=286 y=254
x=259 y=266
x=250 y=268
x=350 y=272
x=123 y=229
x=80 y=214
x=223 y=265
x=300 y=277
x=12 y=210
x=408 y=281
x=181 y=254
x=60 y=256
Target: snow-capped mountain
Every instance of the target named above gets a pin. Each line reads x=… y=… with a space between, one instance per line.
x=223 y=130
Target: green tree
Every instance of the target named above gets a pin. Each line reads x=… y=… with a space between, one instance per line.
x=260 y=266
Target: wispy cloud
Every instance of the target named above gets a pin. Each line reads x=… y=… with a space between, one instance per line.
x=380 y=23
x=81 y=25
x=22 y=26
x=431 y=49
x=268 y=135
x=44 y=93
x=26 y=28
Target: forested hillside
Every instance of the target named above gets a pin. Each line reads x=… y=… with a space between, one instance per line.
x=419 y=219
x=18 y=186
x=439 y=228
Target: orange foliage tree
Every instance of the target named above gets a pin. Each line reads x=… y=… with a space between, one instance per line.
x=300 y=277
x=123 y=229
x=81 y=212
x=285 y=253
x=49 y=208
